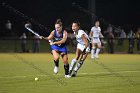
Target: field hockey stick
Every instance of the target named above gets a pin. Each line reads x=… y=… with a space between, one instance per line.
x=33 y=32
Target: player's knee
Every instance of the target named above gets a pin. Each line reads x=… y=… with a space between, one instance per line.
x=93 y=47
x=82 y=59
x=99 y=46
x=55 y=57
x=65 y=62
x=74 y=60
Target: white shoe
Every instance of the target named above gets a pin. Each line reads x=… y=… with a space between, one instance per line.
x=67 y=76
x=96 y=56
x=56 y=69
x=92 y=57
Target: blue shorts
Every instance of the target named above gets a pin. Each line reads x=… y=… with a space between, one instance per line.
x=59 y=49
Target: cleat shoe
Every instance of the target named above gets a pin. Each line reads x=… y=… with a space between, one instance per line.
x=96 y=56
x=55 y=69
x=93 y=56
x=67 y=76
x=93 y=59
x=74 y=74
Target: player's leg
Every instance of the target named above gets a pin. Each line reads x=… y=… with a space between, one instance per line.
x=73 y=62
x=66 y=65
x=93 y=50
x=98 y=49
x=56 y=60
x=80 y=62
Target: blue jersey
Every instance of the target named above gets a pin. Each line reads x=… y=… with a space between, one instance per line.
x=59 y=47
x=58 y=38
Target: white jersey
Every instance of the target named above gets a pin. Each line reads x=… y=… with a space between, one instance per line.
x=96 y=32
x=79 y=37
x=81 y=43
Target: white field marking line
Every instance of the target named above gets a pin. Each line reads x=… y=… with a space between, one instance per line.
x=96 y=73
x=108 y=72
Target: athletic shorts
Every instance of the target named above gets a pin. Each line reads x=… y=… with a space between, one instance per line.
x=59 y=49
x=96 y=40
x=82 y=47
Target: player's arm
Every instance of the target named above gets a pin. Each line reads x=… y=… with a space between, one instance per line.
x=85 y=40
x=63 y=39
x=101 y=35
x=50 y=37
x=86 y=43
x=90 y=34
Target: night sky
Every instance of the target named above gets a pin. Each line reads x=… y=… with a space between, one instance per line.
x=117 y=12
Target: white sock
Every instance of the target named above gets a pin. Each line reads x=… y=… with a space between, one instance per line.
x=78 y=65
x=73 y=62
x=97 y=51
x=92 y=52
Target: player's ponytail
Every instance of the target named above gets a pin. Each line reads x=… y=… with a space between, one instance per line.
x=58 y=21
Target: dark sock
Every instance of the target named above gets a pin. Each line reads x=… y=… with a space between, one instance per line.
x=56 y=63
x=81 y=62
x=66 y=67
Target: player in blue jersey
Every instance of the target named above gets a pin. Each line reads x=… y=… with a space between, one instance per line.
x=58 y=38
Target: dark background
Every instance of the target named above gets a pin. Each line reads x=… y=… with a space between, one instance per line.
x=117 y=12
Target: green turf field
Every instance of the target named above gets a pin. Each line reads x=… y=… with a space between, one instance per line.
x=111 y=74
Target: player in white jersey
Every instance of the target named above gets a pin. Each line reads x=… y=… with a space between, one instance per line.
x=82 y=48
x=95 y=35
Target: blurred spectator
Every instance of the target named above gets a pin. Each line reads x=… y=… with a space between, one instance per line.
x=131 y=41
x=36 y=44
x=109 y=28
x=110 y=42
x=121 y=37
x=123 y=34
x=23 y=38
x=71 y=42
x=138 y=39
x=8 y=27
x=117 y=31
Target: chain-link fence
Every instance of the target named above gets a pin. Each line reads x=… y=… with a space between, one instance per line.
x=31 y=45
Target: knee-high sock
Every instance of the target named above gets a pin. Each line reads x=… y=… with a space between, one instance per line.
x=56 y=62
x=73 y=62
x=66 y=67
x=93 y=52
x=97 y=51
x=78 y=65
